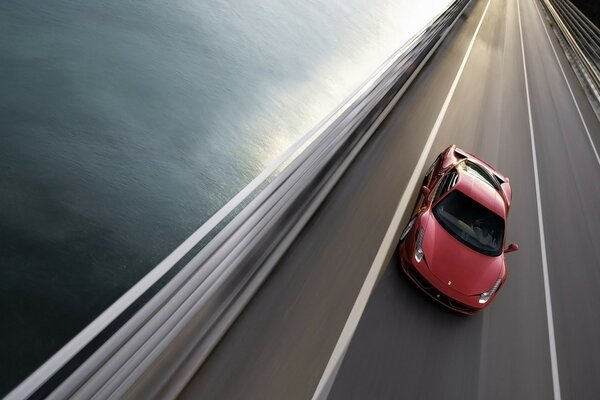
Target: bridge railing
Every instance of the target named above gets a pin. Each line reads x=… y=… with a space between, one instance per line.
x=158 y=349
x=580 y=39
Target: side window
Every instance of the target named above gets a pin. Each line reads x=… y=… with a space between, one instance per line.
x=446 y=184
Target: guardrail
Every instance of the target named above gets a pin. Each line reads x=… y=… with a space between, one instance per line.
x=580 y=40
x=157 y=351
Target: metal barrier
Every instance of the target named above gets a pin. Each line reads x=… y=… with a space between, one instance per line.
x=157 y=351
x=580 y=39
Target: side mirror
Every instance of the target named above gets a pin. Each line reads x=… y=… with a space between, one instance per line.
x=511 y=247
x=425 y=190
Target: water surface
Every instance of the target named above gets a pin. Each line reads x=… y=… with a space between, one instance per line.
x=124 y=125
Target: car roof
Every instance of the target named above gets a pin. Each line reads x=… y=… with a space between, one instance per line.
x=481 y=192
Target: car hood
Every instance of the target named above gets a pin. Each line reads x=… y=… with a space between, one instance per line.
x=457 y=265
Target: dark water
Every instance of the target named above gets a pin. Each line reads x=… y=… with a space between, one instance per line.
x=124 y=125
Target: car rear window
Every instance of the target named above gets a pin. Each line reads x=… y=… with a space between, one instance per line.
x=471 y=223
x=479 y=172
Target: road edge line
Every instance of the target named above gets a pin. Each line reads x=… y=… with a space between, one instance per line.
x=569 y=86
x=339 y=351
x=549 y=316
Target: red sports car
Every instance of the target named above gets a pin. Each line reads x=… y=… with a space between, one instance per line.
x=453 y=246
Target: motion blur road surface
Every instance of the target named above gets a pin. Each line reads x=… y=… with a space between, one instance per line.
x=406 y=346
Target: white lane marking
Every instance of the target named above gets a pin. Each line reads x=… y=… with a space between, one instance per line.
x=551 y=338
x=341 y=346
x=568 y=85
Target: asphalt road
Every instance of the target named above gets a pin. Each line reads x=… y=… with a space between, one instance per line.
x=406 y=346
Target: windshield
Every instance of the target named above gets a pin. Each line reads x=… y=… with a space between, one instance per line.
x=471 y=223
